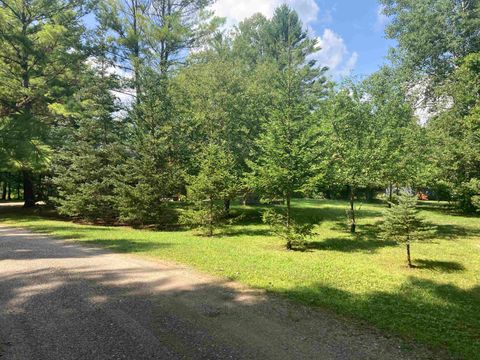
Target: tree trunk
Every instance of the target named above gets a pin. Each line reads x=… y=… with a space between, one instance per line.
x=390 y=195
x=409 y=259
x=289 y=245
x=368 y=194
x=9 y=194
x=4 y=190
x=289 y=210
x=210 y=225
x=328 y=194
x=353 y=224
x=289 y=215
x=226 y=206
x=28 y=193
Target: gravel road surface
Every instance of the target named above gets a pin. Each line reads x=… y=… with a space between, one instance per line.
x=61 y=300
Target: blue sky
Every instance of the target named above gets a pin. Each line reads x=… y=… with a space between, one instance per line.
x=361 y=25
x=351 y=32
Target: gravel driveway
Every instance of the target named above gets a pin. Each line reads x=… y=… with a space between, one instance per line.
x=60 y=300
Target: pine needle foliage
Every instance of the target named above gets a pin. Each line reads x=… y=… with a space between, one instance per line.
x=215 y=181
x=295 y=235
x=403 y=225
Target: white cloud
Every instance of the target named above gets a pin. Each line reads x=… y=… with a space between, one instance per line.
x=334 y=54
x=237 y=10
x=350 y=64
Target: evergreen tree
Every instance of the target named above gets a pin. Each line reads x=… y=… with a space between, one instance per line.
x=85 y=166
x=287 y=155
x=215 y=181
x=127 y=22
x=250 y=40
x=403 y=225
x=217 y=107
x=154 y=173
x=40 y=43
x=295 y=235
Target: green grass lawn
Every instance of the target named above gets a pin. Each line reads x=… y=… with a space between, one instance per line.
x=437 y=303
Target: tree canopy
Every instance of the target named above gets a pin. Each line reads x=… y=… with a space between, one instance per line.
x=156 y=107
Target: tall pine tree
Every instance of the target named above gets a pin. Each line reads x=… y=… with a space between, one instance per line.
x=287 y=144
x=40 y=43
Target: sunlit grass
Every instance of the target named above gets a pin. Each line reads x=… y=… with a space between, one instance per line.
x=359 y=275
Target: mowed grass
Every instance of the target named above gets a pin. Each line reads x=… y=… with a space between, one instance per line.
x=437 y=303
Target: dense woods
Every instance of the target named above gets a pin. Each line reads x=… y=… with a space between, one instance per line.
x=151 y=112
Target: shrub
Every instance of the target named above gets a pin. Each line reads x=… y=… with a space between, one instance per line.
x=468 y=195
x=295 y=235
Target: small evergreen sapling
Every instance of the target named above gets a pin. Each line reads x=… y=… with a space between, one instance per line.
x=295 y=235
x=403 y=225
x=215 y=182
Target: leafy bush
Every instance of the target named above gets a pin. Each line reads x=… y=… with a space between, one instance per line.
x=468 y=195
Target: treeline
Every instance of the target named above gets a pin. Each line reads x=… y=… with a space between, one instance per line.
x=114 y=110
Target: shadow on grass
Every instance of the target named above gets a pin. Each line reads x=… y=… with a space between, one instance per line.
x=313 y=211
x=33 y=249
x=453 y=232
x=442 y=315
x=443 y=266
x=328 y=213
x=127 y=245
x=445 y=209
x=349 y=245
x=245 y=232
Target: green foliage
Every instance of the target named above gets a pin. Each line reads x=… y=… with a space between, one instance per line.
x=152 y=175
x=401 y=150
x=445 y=54
x=145 y=188
x=455 y=132
x=85 y=183
x=216 y=181
x=451 y=34
x=468 y=195
x=85 y=167
x=287 y=154
x=402 y=223
x=352 y=143
x=213 y=114
x=293 y=234
x=153 y=36
x=352 y=139
x=40 y=43
x=216 y=106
